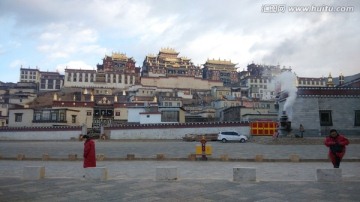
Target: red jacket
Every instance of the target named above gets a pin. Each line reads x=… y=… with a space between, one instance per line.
x=89 y=154
x=339 y=139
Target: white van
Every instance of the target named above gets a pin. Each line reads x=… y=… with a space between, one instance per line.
x=231 y=136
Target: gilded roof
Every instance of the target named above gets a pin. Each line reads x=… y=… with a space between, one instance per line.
x=168 y=50
x=219 y=62
x=118 y=56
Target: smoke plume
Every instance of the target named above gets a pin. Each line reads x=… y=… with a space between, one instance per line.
x=287 y=81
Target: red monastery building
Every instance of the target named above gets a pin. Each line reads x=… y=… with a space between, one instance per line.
x=220 y=70
x=168 y=63
x=168 y=70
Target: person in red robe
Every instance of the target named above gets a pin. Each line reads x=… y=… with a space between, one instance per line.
x=89 y=152
x=337 y=147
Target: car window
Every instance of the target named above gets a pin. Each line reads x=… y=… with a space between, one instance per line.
x=229 y=133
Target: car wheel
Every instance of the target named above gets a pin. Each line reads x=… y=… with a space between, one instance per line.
x=223 y=140
x=242 y=140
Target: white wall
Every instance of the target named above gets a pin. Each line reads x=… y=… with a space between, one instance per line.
x=40 y=135
x=172 y=133
x=160 y=132
x=150 y=118
x=134 y=114
x=26 y=120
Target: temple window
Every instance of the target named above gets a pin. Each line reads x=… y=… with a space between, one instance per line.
x=357 y=118
x=50 y=84
x=57 y=84
x=18 y=117
x=73 y=118
x=53 y=116
x=325 y=118
x=46 y=115
x=62 y=116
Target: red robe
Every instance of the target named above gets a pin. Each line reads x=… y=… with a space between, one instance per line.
x=341 y=140
x=89 y=154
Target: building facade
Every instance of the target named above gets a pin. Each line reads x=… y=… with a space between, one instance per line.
x=260 y=87
x=168 y=63
x=29 y=75
x=45 y=81
x=51 y=81
x=220 y=70
x=259 y=81
x=117 y=71
x=179 y=82
x=320 y=109
x=311 y=82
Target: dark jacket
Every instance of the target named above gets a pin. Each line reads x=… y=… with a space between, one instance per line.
x=89 y=154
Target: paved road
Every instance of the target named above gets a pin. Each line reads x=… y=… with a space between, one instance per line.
x=198 y=180
x=184 y=190
x=171 y=149
x=119 y=170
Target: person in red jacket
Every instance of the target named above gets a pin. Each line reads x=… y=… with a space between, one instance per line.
x=89 y=152
x=337 y=147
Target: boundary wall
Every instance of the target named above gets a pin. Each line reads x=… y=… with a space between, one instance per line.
x=40 y=133
x=128 y=131
x=175 y=130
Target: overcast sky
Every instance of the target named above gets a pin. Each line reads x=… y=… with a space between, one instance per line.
x=53 y=34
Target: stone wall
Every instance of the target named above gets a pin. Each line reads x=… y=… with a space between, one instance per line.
x=305 y=110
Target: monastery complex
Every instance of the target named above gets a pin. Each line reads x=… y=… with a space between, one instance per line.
x=169 y=88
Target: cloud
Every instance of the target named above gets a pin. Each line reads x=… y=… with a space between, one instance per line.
x=312 y=43
x=16 y=64
x=9 y=46
x=78 y=64
x=65 y=40
x=321 y=47
x=2 y=50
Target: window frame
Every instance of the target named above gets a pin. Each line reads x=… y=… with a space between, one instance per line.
x=73 y=118
x=325 y=122
x=18 y=117
x=357 y=118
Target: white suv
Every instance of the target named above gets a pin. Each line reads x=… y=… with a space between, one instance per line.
x=231 y=136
